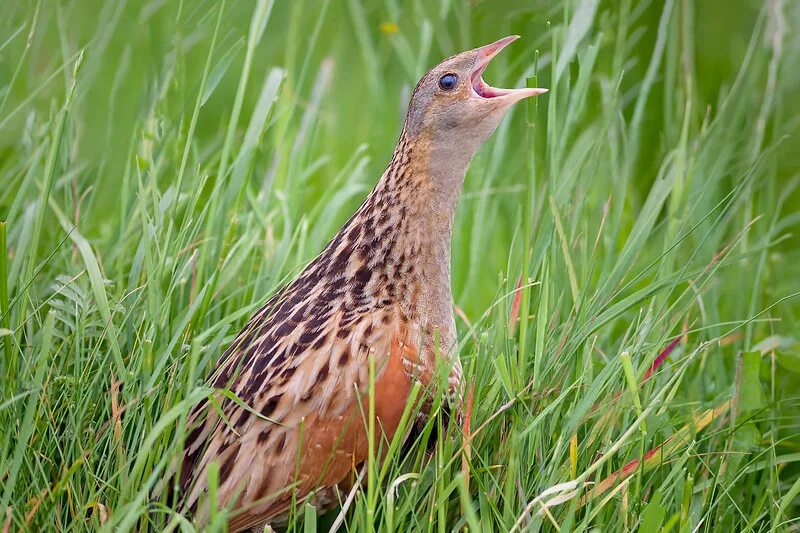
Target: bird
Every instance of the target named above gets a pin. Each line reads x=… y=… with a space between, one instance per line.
x=378 y=297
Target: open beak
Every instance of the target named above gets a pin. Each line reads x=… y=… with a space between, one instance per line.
x=483 y=89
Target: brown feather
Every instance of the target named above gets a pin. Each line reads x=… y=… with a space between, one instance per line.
x=380 y=290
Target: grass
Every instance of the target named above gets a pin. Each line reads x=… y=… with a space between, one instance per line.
x=166 y=166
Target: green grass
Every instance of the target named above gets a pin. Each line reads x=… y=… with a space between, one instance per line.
x=166 y=166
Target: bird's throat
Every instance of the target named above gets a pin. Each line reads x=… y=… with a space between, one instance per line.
x=395 y=250
x=408 y=221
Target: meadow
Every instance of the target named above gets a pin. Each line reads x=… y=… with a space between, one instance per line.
x=626 y=264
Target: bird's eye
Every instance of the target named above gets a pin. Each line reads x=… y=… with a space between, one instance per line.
x=448 y=82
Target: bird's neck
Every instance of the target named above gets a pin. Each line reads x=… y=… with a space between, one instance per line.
x=407 y=225
x=422 y=186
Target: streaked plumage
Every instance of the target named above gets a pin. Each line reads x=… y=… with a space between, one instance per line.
x=380 y=289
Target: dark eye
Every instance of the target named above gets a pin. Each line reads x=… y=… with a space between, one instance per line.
x=448 y=82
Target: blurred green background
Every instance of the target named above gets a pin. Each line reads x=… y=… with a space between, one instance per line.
x=652 y=191
x=378 y=50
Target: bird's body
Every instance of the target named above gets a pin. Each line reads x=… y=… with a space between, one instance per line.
x=380 y=291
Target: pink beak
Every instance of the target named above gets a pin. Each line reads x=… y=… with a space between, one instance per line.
x=483 y=89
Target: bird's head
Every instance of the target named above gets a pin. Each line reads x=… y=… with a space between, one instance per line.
x=452 y=107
